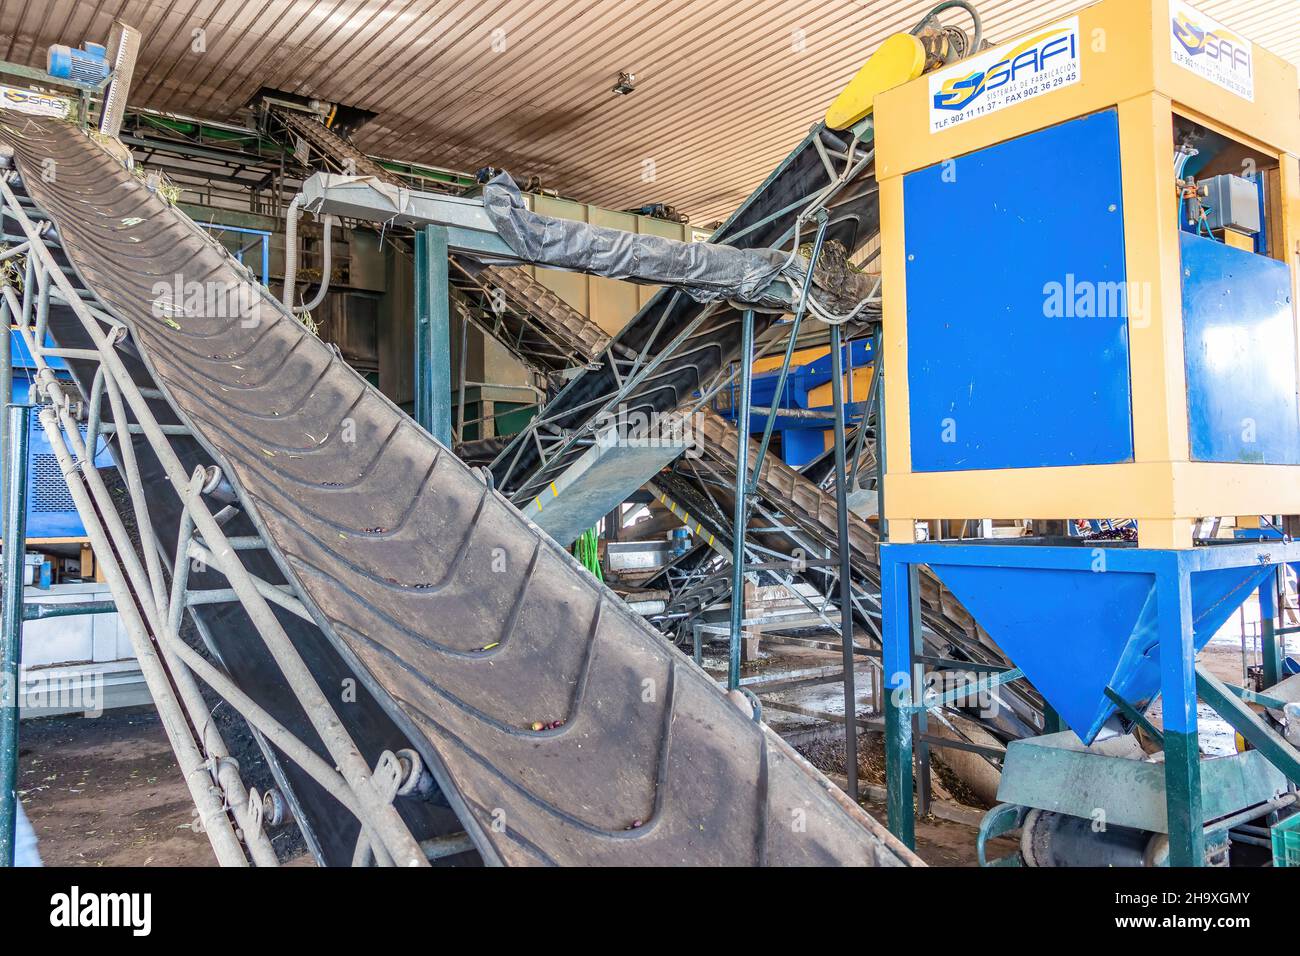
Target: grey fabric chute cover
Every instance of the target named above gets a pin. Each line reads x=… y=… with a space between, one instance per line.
x=705 y=271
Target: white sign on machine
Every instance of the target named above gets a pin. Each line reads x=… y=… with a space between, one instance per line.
x=1211 y=51
x=1006 y=75
x=37 y=104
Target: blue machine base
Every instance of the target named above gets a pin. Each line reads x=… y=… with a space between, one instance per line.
x=1143 y=614
x=1078 y=619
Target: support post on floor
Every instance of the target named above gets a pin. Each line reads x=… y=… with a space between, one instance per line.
x=11 y=622
x=6 y=395
x=921 y=728
x=896 y=614
x=1178 y=694
x=740 y=517
x=845 y=571
x=433 y=333
x=1270 y=646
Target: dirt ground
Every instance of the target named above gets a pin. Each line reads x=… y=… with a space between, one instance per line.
x=938 y=842
x=106 y=792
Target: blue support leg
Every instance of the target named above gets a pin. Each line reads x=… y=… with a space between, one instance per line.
x=896 y=616
x=1270 y=646
x=433 y=333
x=1178 y=693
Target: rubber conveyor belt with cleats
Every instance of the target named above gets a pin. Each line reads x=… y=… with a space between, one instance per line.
x=398 y=550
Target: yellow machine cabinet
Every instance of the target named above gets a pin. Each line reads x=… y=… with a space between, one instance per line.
x=1084 y=316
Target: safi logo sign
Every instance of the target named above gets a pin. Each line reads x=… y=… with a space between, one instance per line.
x=1006 y=75
x=1211 y=51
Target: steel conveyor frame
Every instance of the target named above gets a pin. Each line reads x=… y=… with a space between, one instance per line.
x=675 y=346
x=149 y=605
x=180 y=400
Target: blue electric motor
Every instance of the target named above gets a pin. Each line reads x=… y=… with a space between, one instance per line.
x=87 y=65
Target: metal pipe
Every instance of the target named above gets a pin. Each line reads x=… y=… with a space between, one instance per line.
x=378 y=813
x=823 y=221
x=15 y=536
x=43 y=612
x=326 y=268
x=804 y=414
x=740 y=513
x=464 y=355
x=189 y=698
x=250 y=823
x=290 y=251
x=189 y=756
x=846 y=583
x=136 y=492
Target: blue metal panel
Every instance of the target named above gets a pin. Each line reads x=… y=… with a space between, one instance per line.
x=1240 y=347
x=1077 y=620
x=22 y=358
x=51 y=512
x=801 y=445
x=1016 y=323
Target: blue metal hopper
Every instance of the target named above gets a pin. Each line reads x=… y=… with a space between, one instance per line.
x=1076 y=632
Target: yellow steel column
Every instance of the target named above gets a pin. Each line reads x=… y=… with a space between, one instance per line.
x=898 y=419
x=1158 y=373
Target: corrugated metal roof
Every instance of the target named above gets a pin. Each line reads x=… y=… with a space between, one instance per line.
x=724 y=87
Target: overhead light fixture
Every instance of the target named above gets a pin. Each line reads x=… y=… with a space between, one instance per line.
x=626 y=84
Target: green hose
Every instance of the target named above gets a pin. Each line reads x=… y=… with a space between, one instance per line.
x=586 y=550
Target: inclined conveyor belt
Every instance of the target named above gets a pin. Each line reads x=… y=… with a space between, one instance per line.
x=465 y=622
x=675 y=346
x=949 y=631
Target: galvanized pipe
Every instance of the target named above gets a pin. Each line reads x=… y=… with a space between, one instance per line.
x=207 y=799
x=255 y=838
x=11 y=636
x=149 y=543
x=380 y=814
x=741 y=511
x=328 y=777
x=846 y=582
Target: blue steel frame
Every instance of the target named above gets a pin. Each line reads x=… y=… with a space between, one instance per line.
x=239 y=253
x=1178 y=681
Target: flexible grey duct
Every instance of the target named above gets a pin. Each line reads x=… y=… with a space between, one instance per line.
x=291 y=260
